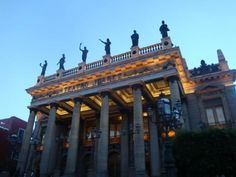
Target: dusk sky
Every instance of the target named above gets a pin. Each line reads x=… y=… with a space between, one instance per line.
x=36 y=30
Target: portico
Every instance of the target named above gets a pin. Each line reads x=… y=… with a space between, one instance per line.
x=119 y=91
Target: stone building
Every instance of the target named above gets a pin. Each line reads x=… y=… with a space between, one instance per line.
x=11 y=137
x=92 y=119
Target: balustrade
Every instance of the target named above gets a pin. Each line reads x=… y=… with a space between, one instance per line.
x=151 y=48
x=121 y=57
x=100 y=63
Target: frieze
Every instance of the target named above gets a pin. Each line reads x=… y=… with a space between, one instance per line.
x=98 y=82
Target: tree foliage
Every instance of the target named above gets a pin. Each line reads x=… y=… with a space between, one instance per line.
x=209 y=153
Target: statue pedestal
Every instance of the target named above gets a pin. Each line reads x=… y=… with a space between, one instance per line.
x=134 y=51
x=106 y=60
x=59 y=73
x=40 y=80
x=166 y=43
x=81 y=67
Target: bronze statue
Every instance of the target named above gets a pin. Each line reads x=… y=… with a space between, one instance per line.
x=61 y=62
x=107 y=46
x=44 y=67
x=135 y=38
x=164 y=29
x=84 y=53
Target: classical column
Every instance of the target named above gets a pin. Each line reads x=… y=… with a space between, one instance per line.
x=26 y=142
x=175 y=93
x=47 y=163
x=73 y=141
x=95 y=155
x=139 y=149
x=102 y=158
x=154 y=146
x=174 y=89
x=35 y=139
x=124 y=145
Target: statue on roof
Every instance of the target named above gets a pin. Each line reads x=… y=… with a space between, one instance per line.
x=135 y=38
x=107 y=46
x=164 y=29
x=61 y=62
x=84 y=53
x=44 y=67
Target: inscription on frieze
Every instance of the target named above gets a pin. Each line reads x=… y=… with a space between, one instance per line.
x=98 y=82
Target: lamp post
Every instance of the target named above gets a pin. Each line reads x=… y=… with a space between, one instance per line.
x=169 y=121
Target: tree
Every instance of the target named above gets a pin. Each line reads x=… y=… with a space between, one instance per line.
x=209 y=153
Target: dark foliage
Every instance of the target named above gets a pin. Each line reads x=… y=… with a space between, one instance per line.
x=209 y=153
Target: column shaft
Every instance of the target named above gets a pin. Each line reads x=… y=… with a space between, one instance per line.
x=154 y=148
x=26 y=143
x=47 y=164
x=139 y=149
x=124 y=146
x=102 y=158
x=174 y=89
x=73 y=141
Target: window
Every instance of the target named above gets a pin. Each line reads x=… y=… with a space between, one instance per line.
x=215 y=115
x=114 y=130
x=214 y=111
x=20 y=134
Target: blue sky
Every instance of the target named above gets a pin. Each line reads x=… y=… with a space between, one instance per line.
x=34 y=30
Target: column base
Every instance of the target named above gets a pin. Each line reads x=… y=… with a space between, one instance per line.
x=68 y=174
x=140 y=174
x=104 y=174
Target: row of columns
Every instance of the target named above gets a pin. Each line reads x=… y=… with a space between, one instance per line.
x=48 y=156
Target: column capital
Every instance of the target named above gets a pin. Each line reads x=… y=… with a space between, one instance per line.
x=53 y=104
x=32 y=109
x=173 y=78
x=78 y=99
x=137 y=86
x=105 y=93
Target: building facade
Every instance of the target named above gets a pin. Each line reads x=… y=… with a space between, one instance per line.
x=11 y=137
x=92 y=119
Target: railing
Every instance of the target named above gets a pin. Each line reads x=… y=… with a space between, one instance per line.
x=94 y=65
x=151 y=48
x=121 y=57
x=72 y=71
x=114 y=59
x=50 y=78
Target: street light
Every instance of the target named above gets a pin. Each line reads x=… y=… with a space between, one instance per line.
x=169 y=121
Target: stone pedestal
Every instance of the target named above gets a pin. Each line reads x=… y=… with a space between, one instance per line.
x=60 y=73
x=106 y=59
x=134 y=51
x=81 y=67
x=40 y=80
x=166 y=43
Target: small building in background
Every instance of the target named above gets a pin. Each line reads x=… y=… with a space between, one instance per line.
x=11 y=137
